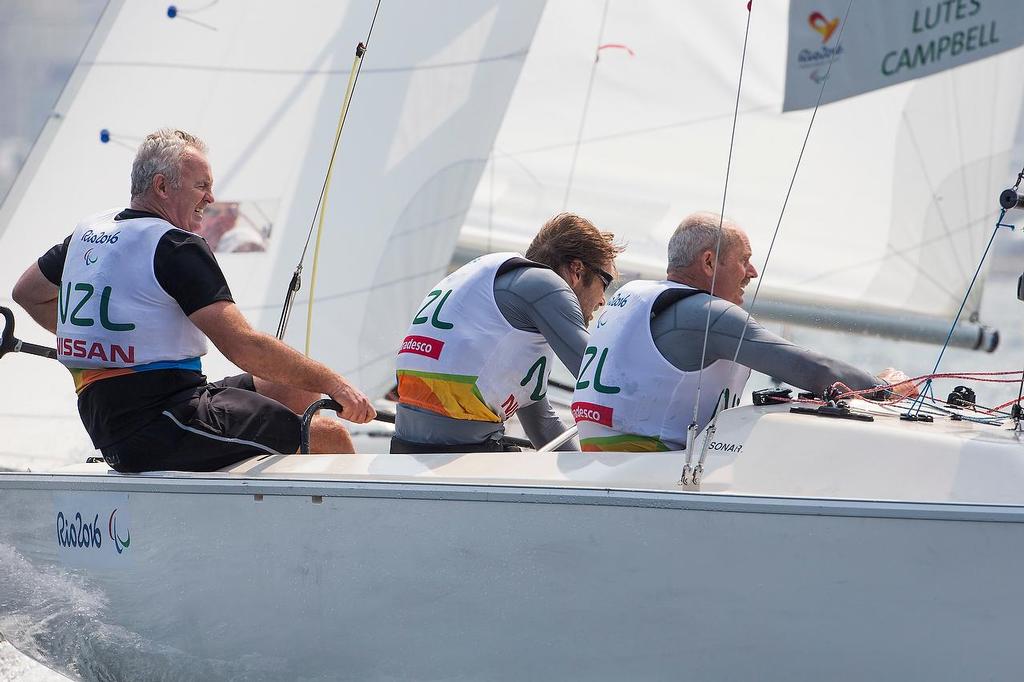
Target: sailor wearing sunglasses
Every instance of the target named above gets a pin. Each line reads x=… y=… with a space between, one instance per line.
x=483 y=341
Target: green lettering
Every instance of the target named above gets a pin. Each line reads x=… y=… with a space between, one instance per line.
x=105 y=315
x=598 y=386
x=82 y=321
x=886 y=70
x=958 y=43
x=540 y=390
x=63 y=303
x=435 y=320
x=592 y=352
x=431 y=297
x=923 y=56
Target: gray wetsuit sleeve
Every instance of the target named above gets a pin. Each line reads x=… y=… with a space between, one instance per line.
x=542 y=425
x=679 y=334
x=538 y=300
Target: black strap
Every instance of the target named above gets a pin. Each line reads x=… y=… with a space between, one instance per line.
x=516 y=263
x=670 y=296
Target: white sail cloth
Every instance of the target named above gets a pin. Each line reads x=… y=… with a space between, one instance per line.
x=262 y=83
x=895 y=197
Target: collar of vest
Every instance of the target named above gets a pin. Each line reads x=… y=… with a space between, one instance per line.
x=674 y=295
x=516 y=263
x=132 y=214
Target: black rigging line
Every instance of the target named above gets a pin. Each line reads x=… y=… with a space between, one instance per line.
x=691 y=432
x=586 y=107
x=792 y=180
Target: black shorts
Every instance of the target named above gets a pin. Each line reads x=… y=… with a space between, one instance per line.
x=217 y=425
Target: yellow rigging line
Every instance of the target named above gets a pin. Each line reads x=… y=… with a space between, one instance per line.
x=353 y=74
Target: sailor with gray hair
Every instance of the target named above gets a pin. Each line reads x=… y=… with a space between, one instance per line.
x=133 y=295
x=638 y=387
x=160 y=154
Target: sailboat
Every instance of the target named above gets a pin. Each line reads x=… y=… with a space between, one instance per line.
x=811 y=546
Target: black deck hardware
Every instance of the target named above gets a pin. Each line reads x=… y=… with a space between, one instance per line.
x=839 y=411
x=307 y=418
x=916 y=417
x=771 y=396
x=961 y=396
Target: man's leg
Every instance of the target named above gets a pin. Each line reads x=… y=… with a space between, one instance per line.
x=295 y=399
x=328 y=436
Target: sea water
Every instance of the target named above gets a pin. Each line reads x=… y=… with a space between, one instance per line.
x=1000 y=309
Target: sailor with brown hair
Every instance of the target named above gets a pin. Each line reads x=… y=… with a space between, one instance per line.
x=482 y=343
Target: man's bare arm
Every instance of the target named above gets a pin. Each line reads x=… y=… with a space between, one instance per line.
x=266 y=357
x=38 y=296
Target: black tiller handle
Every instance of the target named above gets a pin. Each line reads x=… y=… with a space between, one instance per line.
x=307 y=419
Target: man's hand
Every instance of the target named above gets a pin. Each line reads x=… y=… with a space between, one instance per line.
x=357 y=406
x=899 y=383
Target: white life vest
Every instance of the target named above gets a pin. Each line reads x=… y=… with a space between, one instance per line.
x=113 y=317
x=461 y=357
x=628 y=396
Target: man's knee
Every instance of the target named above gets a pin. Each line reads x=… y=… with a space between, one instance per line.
x=328 y=436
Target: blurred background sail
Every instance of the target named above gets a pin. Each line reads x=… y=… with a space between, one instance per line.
x=896 y=194
x=262 y=83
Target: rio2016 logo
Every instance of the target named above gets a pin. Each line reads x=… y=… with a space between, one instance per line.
x=823 y=25
x=74 y=531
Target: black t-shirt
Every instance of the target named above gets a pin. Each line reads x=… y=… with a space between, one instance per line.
x=186 y=269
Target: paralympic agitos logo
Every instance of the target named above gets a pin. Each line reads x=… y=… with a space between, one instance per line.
x=119 y=544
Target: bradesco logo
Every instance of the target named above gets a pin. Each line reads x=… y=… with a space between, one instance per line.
x=422 y=345
x=91 y=237
x=589 y=412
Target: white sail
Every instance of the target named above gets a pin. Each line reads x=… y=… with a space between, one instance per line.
x=262 y=83
x=896 y=193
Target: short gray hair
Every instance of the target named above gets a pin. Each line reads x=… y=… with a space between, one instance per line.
x=160 y=154
x=696 y=234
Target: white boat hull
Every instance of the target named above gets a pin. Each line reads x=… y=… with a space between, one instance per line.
x=235 y=577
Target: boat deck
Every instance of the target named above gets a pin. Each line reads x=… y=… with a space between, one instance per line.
x=763 y=451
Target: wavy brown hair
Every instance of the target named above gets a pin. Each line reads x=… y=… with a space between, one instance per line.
x=568 y=237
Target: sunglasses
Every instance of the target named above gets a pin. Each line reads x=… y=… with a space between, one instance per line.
x=606 y=278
